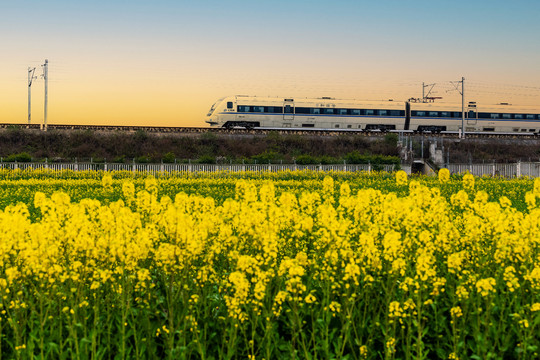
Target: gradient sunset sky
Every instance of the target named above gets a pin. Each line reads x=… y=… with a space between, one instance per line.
x=164 y=63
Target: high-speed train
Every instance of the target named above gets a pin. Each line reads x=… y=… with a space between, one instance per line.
x=329 y=113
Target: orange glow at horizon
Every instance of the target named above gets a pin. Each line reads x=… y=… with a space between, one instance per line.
x=165 y=63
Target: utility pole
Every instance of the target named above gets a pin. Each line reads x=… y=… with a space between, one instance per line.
x=463 y=107
x=462 y=93
x=46 y=78
x=31 y=77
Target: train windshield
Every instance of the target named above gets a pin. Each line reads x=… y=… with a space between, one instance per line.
x=214 y=107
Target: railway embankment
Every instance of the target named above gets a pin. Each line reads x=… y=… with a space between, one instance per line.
x=139 y=146
x=207 y=147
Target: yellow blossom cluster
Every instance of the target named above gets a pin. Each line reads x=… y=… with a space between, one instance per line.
x=275 y=260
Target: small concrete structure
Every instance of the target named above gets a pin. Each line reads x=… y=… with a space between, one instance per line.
x=436 y=155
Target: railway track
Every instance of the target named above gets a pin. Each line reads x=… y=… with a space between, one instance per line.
x=262 y=131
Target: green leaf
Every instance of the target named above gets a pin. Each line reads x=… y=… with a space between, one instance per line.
x=86 y=341
x=441 y=353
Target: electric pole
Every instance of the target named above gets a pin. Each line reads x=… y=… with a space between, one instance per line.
x=46 y=78
x=31 y=77
x=462 y=93
x=463 y=107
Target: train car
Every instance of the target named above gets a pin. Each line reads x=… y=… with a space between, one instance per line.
x=329 y=113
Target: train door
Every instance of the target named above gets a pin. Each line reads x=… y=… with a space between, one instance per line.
x=472 y=113
x=288 y=109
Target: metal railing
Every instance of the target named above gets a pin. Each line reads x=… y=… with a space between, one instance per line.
x=510 y=170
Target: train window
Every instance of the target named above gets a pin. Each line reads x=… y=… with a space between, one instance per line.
x=242 y=108
x=457 y=114
x=396 y=113
x=370 y=112
x=337 y=125
x=446 y=114
x=419 y=113
x=273 y=109
x=506 y=116
x=518 y=116
x=288 y=109
x=229 y=104
x=495 y=116
x=523 y=130
x=329 y=111
x=342 y=111
x=434 y=113
x=530 y=116
x=349 y=126
x=383 y=112
x=355 y=111
x=315 y=111
x=532 y=130
x=359 y=126
x=258 y=109
x=302 y=110
x=515 y=129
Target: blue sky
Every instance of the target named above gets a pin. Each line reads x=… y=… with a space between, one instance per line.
x=165 y=62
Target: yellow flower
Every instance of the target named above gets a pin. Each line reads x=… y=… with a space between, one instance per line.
x=391 y=345
x=128 y=189
x=486 y=286
x=107 y=182
x=468 y=181
x=310 y=299
x=512 y=282
x=401 y=177
x=444 y=175
x=395 y=310
x=536 y=187
x=456 y=311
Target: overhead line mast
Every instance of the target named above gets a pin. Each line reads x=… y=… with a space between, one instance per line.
x=424 y=86
x=462 y=93
x=31 y=77
x=46 y=78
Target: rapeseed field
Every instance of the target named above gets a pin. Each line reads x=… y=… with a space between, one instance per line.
x=292 y=265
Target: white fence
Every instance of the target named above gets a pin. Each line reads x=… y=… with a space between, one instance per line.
x=510 y=170
x=153 y=168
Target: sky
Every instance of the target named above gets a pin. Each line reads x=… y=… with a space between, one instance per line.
x=164 y=62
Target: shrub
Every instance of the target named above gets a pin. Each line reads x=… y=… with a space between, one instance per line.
x=328 y=160
x=207 y=159
x=21 y=157
x=119 y=159
x=142 y=159
x=169 y=158
x=267 y=157
x=306 y=160
x=354 y=157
